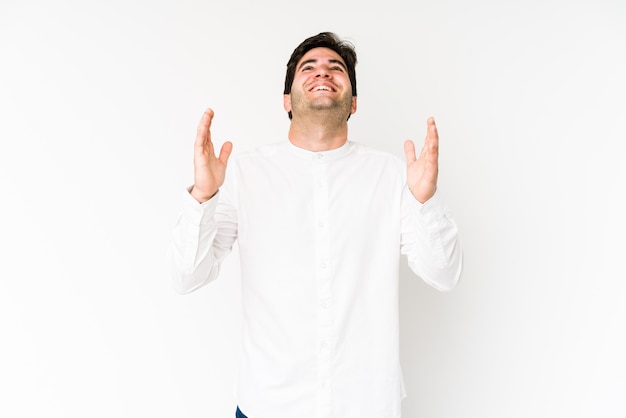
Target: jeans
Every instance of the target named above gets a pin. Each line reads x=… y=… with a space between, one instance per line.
x=239 y=414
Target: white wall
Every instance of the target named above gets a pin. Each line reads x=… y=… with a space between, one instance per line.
x=99 y=102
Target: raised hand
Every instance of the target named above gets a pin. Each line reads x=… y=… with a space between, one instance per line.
x=422 y=171
x=209 y=170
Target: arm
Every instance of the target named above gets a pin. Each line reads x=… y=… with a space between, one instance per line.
x=429 y=233
x=201 y=239
x=206 y=229
x=430 y=241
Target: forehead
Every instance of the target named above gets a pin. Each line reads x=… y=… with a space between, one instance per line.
x=321 y=54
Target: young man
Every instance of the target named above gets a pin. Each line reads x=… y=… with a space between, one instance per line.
x=321 y=222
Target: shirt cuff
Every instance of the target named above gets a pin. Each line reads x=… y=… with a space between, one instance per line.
x=197 y=213
x=430 y=211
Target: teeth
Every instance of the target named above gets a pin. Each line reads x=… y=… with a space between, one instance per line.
x=322 y=88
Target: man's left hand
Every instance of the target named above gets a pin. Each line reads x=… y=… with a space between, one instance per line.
x=422 y=171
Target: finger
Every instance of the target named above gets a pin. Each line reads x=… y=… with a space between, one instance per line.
x=431 y=143
x=432 y=126
x=432 y=134
x=225 y=151
x=204 y=128
x=409 y=151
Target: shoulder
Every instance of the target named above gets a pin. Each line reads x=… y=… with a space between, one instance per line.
x=258 y=153
x=377 y=156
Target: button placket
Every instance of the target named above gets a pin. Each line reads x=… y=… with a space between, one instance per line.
x=323 y=285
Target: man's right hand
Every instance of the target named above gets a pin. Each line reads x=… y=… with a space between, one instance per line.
x=209 y=170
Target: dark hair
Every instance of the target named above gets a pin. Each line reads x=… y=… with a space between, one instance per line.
x=322 y=40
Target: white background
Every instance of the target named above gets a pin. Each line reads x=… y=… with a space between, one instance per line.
x=99 y=103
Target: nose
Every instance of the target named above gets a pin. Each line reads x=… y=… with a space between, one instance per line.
x=322 y=71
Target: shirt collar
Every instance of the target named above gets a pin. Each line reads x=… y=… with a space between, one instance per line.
x=329 y=155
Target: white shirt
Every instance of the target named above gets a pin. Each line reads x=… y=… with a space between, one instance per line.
x=320 y=236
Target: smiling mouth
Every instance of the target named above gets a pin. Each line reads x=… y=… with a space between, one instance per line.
x=321 y=88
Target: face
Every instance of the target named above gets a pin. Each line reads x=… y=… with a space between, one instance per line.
x=321 y=82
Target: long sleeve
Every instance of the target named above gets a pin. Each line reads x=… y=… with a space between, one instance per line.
x=430 y=241
x=202 y=237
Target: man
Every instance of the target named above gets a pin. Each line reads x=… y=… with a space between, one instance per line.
x=320 y=222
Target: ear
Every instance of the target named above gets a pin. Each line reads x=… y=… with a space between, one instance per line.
x=287 y=102
x=353 y=106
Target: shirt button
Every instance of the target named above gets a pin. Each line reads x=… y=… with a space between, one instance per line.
x=320 y=156
x=323 y=265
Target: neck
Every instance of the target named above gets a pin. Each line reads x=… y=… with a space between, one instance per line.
x=319 y=134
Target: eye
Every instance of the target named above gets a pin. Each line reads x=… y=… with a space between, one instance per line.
x=337 y=68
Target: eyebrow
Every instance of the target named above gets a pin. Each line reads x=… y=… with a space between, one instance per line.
x=313 y=61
